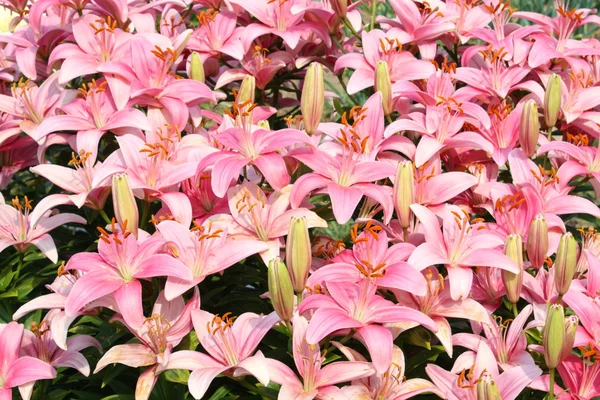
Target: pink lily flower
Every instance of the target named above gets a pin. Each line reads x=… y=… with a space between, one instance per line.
x=316 y=378
x=278 y=19
x=467 y=17
x=230 y=346
x=254 y=216
x=540 y=291
x=547 y=47
x=32 y=104
x=18 y=371
x=440 y=126
x=503 y=132
x=386 y=386
x=98 y=41
x=382 y=46
x=353 y=306
x=346 y=179
x=251 y=147
x=22 y=225
x=256 y=63
x=217 y=34
x=203 y=200
x=508 y=344
x=371 y=259
x=170 y=322
x=95 y=112
x=204 y=250
x=421 y=26
x=488 y=288
x=460 y=246
x=550 y=187
x=580 y=376
x=464 y=386
x=39 y=343
x=490 y=76
x=116 y=269
x=587 y=309
x=17 y=153
x=437 y=305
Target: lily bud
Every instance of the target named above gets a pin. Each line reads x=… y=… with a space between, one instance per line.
x=552 y=101
x=247 y=89
x=196 y=68
x=404 y=192
x=280 y=289
x=125 y=207
x=537 y=241
x=513 y=282
x=554 y=335
x=298 y=253
x=383 y=85
x=565 y=263
x=313 y=97
x=529 y=128
x=340 y=7
x=571 y=323
x=487 y=388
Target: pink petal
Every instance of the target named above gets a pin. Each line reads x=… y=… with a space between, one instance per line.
x=132 y=355
x=343 y=371
x=27 y=369
x=343 y=201
x=90 y=287
x=201 y=379
x=327 y=320
x=163 y=265
x=10 y=344
x=461 y=280
x=379 y=342
x=273 y=168
x=129 y=300
x=255 y=366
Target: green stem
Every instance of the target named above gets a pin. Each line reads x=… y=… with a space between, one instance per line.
x=298 y=298
x=373 y=15
x=551 y=391
x=550 y=130
x=338 y=45
x=254 y=389
x=104 y=216
x=19 y=267
x=346 y=90
x=389 y=118
x=343 y=340
x=145 y=214
x=348 y=25
x=515 y=310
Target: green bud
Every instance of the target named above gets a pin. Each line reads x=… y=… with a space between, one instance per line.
x=404 y=192
x=196 y=68
x=281 y=291
x=565 y=263
x=554 y=335
x=537 y=241
x=571 y=323
x=313 y=97
x=487 y=388
x=125 y=207
x=298 y=253
x=513 y=282
x=247 y=89
x=383 y=85
x=552 y=101
x=529 y=128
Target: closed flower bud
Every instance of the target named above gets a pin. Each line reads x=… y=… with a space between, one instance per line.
x=487 y=388
x=537 y=241
x=247 y=89
x=404 y=192
x=298 y=253
x=125 y=207
x=571 y=323
x=340 y=7
x=196 y=68
x=552 y=101
x=529 y=128
x=565 y=263
x=383 y=85
x=513 y=282
x=313 y=97
x=280 y=289
x=554 y=335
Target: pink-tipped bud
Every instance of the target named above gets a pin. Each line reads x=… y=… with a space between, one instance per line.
x=529 y=128
x=554 y=335
x=125 y=207
x=281 y=291
x=340 y=7
x=487 y=388
x=571 y=323
x=537 y=241
x=552 y=101
x=383 y=85
x=196 y=68
x=565 y=263
x=513 y=282
x=404 y=192
x=313 y=97
x=247 y=89
x=298 y=253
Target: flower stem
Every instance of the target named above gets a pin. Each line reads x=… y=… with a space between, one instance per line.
x=348 y=25
x=550 y=129
x=373 y=15
x=19 y=267
x=145 y=214
x=515 y=310
x=104 y=216
x=551 y=391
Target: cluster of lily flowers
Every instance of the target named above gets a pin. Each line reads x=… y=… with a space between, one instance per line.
x=465 y=144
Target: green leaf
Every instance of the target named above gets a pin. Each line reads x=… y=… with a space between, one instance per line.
x=177 y=376
x=119 y=397
x=220 y=393
x=418 y=336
